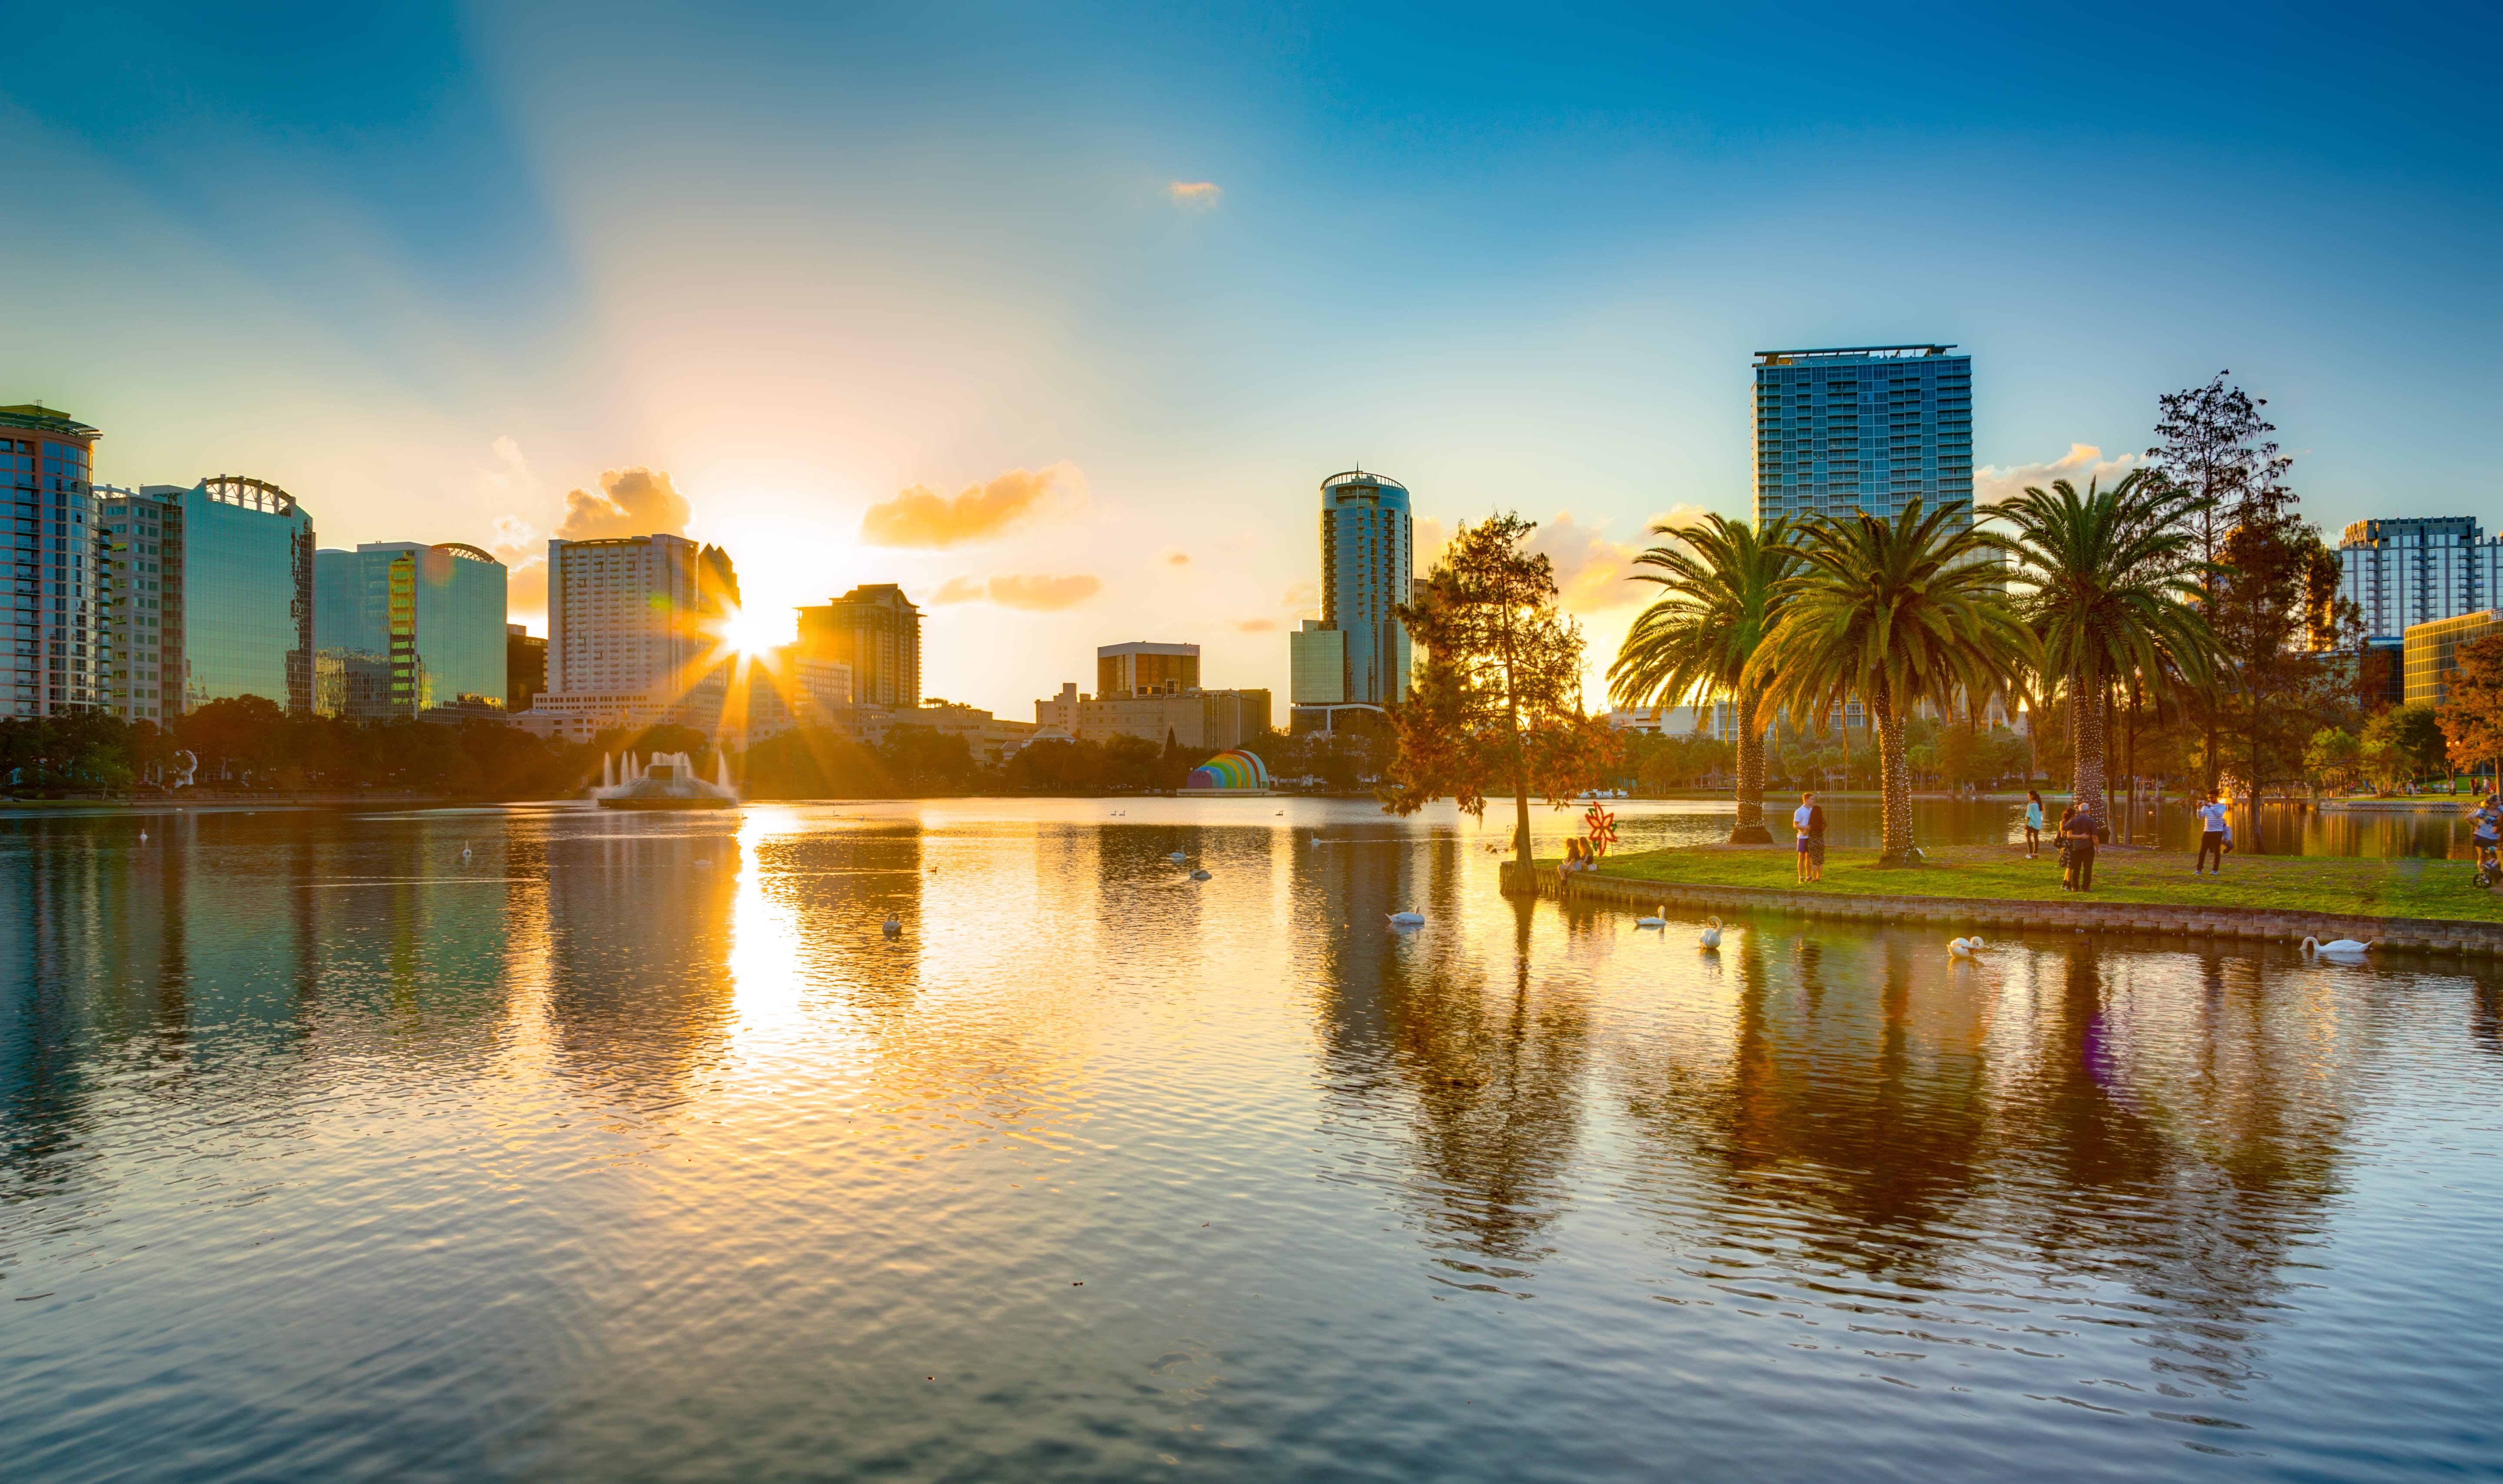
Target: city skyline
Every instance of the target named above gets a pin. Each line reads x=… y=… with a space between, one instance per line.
x=1058 y=337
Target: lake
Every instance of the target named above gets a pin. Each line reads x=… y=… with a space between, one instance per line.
x=543 y=1143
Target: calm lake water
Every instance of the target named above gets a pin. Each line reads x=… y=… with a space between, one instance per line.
x=628 y=1147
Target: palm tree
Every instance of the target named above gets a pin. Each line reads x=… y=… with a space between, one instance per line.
x=1719 y=598
x=1892 y=613
x=2110 y=589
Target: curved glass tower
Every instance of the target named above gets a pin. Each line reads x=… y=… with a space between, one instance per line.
x=1356 y=655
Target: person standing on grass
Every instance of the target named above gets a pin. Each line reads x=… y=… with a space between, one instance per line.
x=2214 y=827
x=2080 y=828
x=1802 y=818
x=2032 y=823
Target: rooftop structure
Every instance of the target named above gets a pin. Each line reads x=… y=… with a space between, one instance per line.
x=1142 y=668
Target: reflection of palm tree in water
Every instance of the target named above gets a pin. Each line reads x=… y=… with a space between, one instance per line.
x=1851 y=1137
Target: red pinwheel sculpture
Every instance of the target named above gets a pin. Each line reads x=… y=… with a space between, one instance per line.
x=1603 y=828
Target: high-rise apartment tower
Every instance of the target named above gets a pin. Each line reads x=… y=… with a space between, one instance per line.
x=877 y=631
x=1356 y=655
x=58 y=659
x=2404 y=573
x=1866 y=427
x=145 y=527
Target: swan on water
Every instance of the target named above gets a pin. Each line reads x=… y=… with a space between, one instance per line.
x=1962 y=948
x=1710 y=937
x=464 y=853
x=891 y=926
x=2336 y=946
x=1177 y=856
x=1199 y=876
x=705 y=863
x=1658 y=918
x=1408 y=919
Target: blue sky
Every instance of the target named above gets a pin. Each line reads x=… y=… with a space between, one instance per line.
x=434 y=268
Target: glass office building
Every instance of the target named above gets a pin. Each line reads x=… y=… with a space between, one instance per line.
x=401 y=628
x=58 y=655
x=248 y=595
x=2432 y=653
x=1864 y=428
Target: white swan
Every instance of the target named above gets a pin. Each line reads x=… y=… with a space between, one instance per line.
x=891 y=927
x=1199 y=876
x=2337 y=945
x=464 y=853
x=1962 y=948
x=1657 y=919
x=1710 y=937
x=702 y=862
x=1177 y=857
x=1408 y=919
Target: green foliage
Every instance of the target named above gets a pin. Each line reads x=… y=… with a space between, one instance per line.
x=1891 y=613
x=2409 y=740
x=1721 y=586
x=1497 y=705
x=248 y=743
x=1116 y=765
x=2472 y=713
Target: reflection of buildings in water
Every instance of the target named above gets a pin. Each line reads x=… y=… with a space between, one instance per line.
x=640 y=983
x=123 y=944
x=2485 y=1016
x=1487 y=1059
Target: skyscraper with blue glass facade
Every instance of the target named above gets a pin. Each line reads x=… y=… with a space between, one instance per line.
x=1864 y=428
x=58 y=656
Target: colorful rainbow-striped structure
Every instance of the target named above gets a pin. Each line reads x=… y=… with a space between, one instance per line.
x=1230 y=770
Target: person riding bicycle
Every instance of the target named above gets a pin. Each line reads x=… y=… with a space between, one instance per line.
x=2488 y=838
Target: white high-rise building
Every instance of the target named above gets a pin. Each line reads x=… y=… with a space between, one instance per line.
x=2404 y=573
x=1356 y=655
x=628 y=641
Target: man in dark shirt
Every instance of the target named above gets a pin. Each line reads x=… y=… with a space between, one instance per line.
x=2082 y=830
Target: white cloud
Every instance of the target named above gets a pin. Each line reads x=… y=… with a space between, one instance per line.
x=1993 y=485
x=1196 y=196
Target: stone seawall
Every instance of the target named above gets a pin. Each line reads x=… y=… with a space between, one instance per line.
x=2008 y=919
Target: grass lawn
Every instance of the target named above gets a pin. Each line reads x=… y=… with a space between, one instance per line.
x=2324 y=883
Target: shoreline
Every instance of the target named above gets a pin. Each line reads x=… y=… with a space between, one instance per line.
x=2044 y=906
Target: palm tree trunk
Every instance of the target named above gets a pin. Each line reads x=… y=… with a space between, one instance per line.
x=2086 y=733
x=1894 y=779
x=1750 y=830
